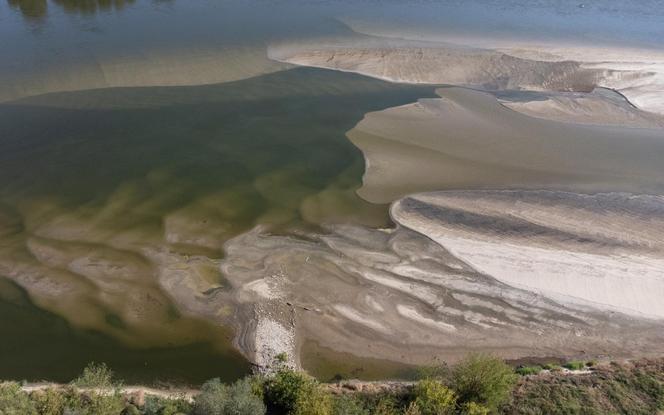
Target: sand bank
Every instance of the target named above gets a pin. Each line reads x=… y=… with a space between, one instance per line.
x=468 y=140
x=455 y=276
x=191 y=66
x=486 y=63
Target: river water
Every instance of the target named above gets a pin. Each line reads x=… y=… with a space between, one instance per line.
x=136 y=137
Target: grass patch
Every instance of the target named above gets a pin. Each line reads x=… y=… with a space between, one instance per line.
x=528 y=370
x=575 y=365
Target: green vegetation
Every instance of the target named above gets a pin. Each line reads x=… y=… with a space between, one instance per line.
x=483 y=379
x=293 y=392
x=240 y=398
x=472 y=408
x=553 y=367
x=479 y=385
x=433 y=398
x=627 y=388
x=575 y=365
x=13 y=401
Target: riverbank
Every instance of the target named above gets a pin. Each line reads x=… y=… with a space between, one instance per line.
x=626 y=387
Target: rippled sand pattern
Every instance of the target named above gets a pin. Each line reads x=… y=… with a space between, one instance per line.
x=520 y=273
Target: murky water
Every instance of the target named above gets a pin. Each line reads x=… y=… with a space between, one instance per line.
x=108 y=194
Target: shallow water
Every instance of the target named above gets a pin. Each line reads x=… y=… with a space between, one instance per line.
x=110 y=191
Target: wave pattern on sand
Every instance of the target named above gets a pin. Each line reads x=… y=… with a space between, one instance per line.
x=459 y=272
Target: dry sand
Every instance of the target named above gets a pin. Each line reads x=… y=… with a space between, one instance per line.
x=492 y=64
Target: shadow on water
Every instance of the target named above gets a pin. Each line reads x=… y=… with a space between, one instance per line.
x=37 y=10
x=92 y=180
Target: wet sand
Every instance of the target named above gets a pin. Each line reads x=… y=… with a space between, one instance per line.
x=517 y=273
x=467 y=140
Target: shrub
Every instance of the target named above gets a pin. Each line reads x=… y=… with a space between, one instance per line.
x=155 y=405
x=13 y=401
x=473 y=408
x=49 y=401
x=483 y=379
x=528 y=370
x=349 y=405
x=314 y=401
x=297 y=393
x=96 y=376
x=102 y=395
x=283 y=389
x=433 y=398
x=575 y=365
x=237 y=399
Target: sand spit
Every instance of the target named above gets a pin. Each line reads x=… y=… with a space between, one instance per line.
x=193 y=66
x=468 y=140
x=486 y=63
x=437 y=63
x=455 y=276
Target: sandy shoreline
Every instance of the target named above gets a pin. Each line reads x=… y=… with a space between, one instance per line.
x=376 y=294
x=561 y=278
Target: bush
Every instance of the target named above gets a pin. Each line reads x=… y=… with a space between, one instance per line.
x=483 y=379
x=297 y=393
x=96 y=375
x=528 y=370
x=283 y=389
x=237 y=399
x=314 y=401
x=433 y=398
x=13 y=401
x=473 y=408
x=575 y=365
x=49 y=401
x=102 y=395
